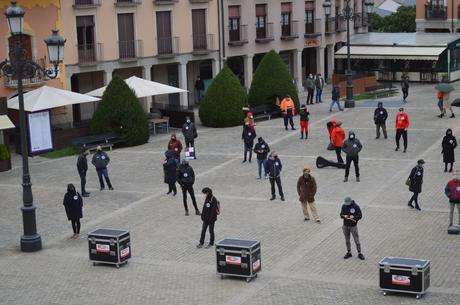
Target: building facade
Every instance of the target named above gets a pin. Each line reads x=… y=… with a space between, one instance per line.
x=438 y=16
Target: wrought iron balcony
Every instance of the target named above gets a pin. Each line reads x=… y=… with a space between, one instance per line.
x=89 y=54
x=127 y=2
x=36 y=80
x=239 y=36
x=313 y=28
x=290 y=31
x=435 y=12
x=199 y=1
x=168 y=46
x=130 y=50
x=264 y=34
x=164 y=2
x=86 y=3
x=203 y=43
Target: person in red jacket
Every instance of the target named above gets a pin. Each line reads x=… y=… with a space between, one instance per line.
x=337 y=137
x=452 y=192
x=330 y=127
x=175 y=146
x=402 y=123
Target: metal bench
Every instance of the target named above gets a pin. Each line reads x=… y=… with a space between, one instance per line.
x=107 y=140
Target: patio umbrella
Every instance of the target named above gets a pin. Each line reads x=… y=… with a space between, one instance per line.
x=5 y=123
x=444 y=87
x=49 y=97
x=142 y=88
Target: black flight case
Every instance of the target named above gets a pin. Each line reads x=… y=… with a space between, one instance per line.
x=109 y=246
x=237 y=257
x=405 y=275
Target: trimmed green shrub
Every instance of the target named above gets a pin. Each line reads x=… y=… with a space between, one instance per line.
x=4 y=152
x=119 y=111
x=223 y=102
x=271 y=80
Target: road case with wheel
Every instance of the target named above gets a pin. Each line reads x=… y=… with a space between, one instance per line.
x=237 y=257
x=109 y=246
x=406 y=275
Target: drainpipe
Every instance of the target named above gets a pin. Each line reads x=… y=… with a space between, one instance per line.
x=220 y=12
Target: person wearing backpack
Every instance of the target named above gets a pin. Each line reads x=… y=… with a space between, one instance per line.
x=452 y=191
x=211 y=208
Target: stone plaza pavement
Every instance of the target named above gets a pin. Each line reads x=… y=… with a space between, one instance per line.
x=302 y=262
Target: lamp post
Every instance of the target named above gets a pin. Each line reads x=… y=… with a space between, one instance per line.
x=18 y=66
x=349 y=15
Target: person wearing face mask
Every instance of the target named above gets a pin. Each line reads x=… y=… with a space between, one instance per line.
x=170 y=172
x=189 y=132
x=273 y=168
x=186 y=179
x=452 y=191
x=261 y=149
x=288 y=109
x=415 y=182
x=402 y=124
x=351 y=214
x=82 y=167
x=248 y=137
x=352 y=146
x=304 y=118
x=310 y=84
x=100 y=161
x=175 y=146
x=449 y=143
x=306 y=189
x=337 y=138
x=380 y=118
x=73 y=204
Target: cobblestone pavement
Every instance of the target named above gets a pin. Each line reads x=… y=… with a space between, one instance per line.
x=302 y=261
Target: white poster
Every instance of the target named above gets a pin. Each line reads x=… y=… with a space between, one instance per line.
x=40 y=131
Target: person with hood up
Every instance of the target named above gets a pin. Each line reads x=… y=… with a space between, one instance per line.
x=449 y=143
x=211 y=208
x=273 y=168
x=304 y=118
x=402 y=124
x=82 y=167
x=310 y=84
x=352 y=146
x=380 y=118
x=415 y=182
x=261 y=149
x=189 y=132
x=405 y=88
x=73 y=204
x=452 y=191
x=351 y=214
x=175 y=146
x=186 y=179
x=306 y=189
x=335 y=98
x=248 y=137
x=337 y=138
x=100 y=161
x=170 y=172
x=288 y=109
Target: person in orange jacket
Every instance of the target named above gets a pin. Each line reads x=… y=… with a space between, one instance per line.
x=402 y=124
x=287 y=108
x=337 y=138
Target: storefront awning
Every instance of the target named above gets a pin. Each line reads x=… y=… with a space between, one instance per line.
x=391 y=52
x=5 y=122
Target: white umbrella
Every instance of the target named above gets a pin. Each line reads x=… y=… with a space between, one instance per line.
x=5 y=122
x=49 y=97
x=142 y=88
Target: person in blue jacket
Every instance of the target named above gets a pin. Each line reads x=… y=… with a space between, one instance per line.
x=273 y=168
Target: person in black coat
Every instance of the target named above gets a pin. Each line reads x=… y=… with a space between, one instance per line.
x=73 y=204
x=415 y=182
x=82 y=167
x=273 y=168
x=380 y=118
x=261 y=149
x=209 y=216
x=186 y=179
x=170 y=168
x=100 y=162
x=248 y=136
x=449 y=143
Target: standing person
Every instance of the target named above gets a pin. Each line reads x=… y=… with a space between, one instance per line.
x=73 y=204
x=310 y=84
x=335 y=98
x=405 y=88
x=82 y=167
x=189 y=132
x=446 y=104
x=452 y=191
x=175 y=146
x=288 y=110
x=449 y=143
x=402 y=124
x=199 y=89
x=440 y=96
x=337 y=138
x=351 y=214
x=380 y=118
x=304 y=118
x=211 y=208
x=352 y=146
x=248 y=137
x=250 y=118
x=306 y=189
x=100 y=161
x=186 y=179
x=415 y=182
x=273 y=168
x=319 y=85
x=261 y=149
x=330 y=127
x=170 y=172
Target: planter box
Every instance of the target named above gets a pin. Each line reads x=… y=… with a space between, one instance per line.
x=5 y=165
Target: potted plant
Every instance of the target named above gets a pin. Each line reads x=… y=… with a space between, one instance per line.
x=5 y=160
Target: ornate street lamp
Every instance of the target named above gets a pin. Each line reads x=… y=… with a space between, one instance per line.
x=18 y=66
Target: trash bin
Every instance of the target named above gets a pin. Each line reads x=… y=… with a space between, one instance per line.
x=238 y=257
x=405 y=275
x=109 y=246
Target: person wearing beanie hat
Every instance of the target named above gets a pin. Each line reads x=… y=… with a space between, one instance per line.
x=261 y=149
x=351 y=214
x=273 y=168
x=304 y=121
x=306 y=188
x=415 y=182
x=452 y=191
x=82 y=167
x=248 y=137
x=100 y=161
x=402 y=124
x=288 y=110
x=449 y=143
x=351 y=147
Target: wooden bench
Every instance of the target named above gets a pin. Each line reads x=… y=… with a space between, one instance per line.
x=107 y=140
x=265 y=111
x=381 y=90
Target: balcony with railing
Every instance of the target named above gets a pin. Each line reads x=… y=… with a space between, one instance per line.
x=202 y=43
x=164 y=2
x=89 y=54
x=199 y=1
x=313 y=28
x=238 y=36
x=86 y=3
x=329 y=25
x=130 y=50
x=290 y=31
x=264 y=34
x=36 y=80
x=340 y=24
x=127 y=2
x=168 y=46
x=435 y=12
